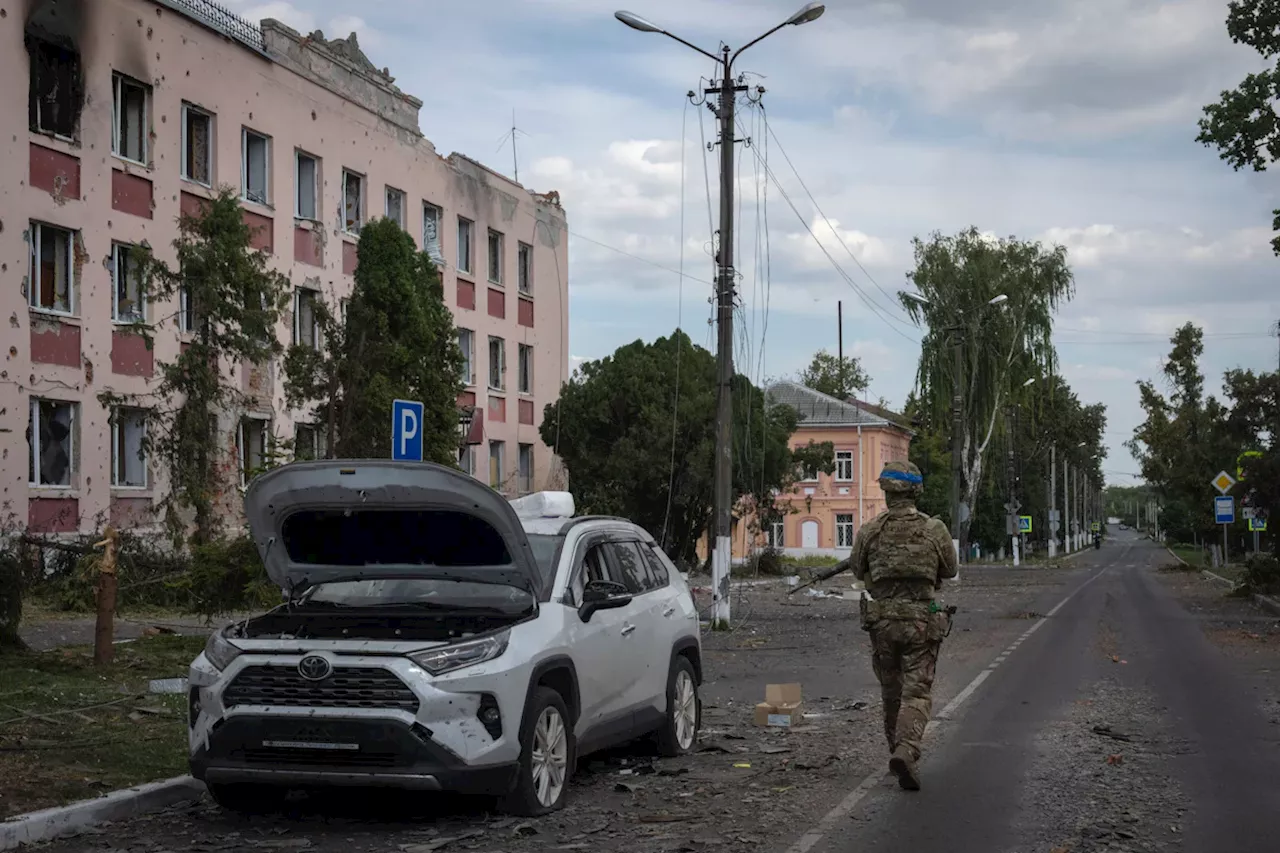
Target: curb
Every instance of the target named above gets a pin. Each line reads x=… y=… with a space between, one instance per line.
x=49 y=824
x=1265 y=602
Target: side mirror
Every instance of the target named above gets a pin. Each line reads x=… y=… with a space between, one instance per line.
x=602 y=595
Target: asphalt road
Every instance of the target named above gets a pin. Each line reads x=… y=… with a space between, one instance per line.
x=1115 y=725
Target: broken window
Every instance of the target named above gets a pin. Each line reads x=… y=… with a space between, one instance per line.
x=252 y=445
x=56 y=93
x=525 y=467
x=128 y=448
x=188 y=316
x=497 y=364
x=197 y=145
x=395 y=206
x=307 y=170
x=51 y=436
x=524 y=271
x=495 y=257
x=464 y=244
x=128 y=304
x=255 y=159
x=129 y=118
x=309 y=442
x=431 y=232
x=496 y=452
x=306 y=330
x=467 y=343
x=467 y=460
x=352 y=201
x=524 y=369
x=52 y=285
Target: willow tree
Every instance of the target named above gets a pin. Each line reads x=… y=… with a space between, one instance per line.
x=960 y=281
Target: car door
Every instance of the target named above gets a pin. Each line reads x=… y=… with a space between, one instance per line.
x=601 y=646
x=651 y=649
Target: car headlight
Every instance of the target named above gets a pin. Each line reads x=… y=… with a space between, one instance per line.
x=220 y=651
x=444 y=659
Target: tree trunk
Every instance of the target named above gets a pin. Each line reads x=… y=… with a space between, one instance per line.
x=10 y=602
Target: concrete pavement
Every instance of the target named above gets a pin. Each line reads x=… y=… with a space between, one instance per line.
x=1116 y=725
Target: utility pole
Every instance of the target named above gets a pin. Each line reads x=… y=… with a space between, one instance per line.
x=844 y=392
x=1053 y=500
x=1066 y=505
x=726 y=93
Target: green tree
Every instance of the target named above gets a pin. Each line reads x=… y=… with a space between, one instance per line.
x=1254 y=425
x=828 y=374
x=615 y=422
x=398 y=342
x=958 y=277
x=234 y=300
x=1244 y=125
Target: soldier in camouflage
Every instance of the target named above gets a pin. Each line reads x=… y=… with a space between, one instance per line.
x=903 y=556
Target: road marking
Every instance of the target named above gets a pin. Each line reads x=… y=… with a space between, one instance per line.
x=807 y=841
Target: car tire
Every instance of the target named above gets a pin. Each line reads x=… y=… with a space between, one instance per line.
x=547 y=756
x=247 y=799
x=679 y=733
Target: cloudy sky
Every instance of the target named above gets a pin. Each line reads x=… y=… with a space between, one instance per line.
x=1065 y=120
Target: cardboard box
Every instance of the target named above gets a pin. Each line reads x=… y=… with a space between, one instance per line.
x=781 y=706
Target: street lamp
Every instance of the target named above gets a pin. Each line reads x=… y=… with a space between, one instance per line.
x=726 y=91
x=957 y=409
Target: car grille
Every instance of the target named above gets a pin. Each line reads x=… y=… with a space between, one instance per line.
x=319 y=758
x=347 y=687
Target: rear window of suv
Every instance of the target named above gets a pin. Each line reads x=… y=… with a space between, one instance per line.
x=409 y=537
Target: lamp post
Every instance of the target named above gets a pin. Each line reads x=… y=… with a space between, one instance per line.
x=726 y=91
x=957 y=410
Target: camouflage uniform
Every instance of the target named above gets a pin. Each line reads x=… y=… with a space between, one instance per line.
x=904 y=555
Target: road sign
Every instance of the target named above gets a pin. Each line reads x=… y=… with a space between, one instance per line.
x=1258 y=525
x=1247 y=513
x=1224 y=510
x=1223 y=482
x=406 y=430
x=1055 y=515
x=1024 y=524
x=1053 y=527
x=1096 y=527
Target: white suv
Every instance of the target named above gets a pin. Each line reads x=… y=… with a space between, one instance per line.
x=437 y=637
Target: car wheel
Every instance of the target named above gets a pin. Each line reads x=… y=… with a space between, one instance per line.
x=679 y=733
x=247 y=799
x=546 y=756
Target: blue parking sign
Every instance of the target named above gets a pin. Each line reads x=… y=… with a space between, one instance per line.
x=1224 y=510
x=406 y=430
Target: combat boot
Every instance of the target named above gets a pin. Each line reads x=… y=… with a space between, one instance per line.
x=903 y=766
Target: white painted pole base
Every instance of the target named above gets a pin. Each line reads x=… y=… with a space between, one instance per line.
x=720 y=559
x=1053 y=548
x=1013 y=540
x=955 y=543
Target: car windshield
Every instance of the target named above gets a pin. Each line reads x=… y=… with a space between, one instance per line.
x=545 y=546
x=428 y=593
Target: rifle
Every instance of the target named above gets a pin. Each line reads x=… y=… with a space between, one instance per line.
x=839 y=567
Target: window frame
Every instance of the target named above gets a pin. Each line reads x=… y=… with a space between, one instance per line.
x=849 y=457
x=33 y=427
x=75 y=92
x=299 y=155
x=362 y=201
x=33 y=280
x=467 y=452
x=468 y=356
x=245 y=133
x=466 y=260
x=117 y=461
x=776 y=535
x=116 y=318
x=524 y=369
x=524 y=487
x=843 y=527
x=316 y=341
x=387 y=194
x=524 y=269
x=189 y=109
x=118 y=83
x=500 y=363
x=494 y=237
x=496 y=477
x=319 y=446
x=438 y=218
x=242 y=444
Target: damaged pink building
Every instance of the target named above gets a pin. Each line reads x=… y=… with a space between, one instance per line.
x=136 y=110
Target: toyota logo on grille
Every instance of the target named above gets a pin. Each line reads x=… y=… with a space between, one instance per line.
x=314 y=668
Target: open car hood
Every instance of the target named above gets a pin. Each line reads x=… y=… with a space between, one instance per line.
x=342 y=519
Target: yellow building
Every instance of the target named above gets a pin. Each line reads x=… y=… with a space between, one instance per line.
x=825 y=511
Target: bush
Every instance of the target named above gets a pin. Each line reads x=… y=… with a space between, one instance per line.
x=1261 y=575
x=225 y=576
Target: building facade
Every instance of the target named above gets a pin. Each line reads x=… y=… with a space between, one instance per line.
x=136 y=111
x=823 y=512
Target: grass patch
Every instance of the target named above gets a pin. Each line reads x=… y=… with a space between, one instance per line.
x=1195 y=557
x=71 y=731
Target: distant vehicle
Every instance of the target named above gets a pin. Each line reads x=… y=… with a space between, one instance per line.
x=439 y=637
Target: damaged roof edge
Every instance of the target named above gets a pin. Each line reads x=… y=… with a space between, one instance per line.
x=551 y=197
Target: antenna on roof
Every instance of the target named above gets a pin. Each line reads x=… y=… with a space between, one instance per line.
x=513 y=134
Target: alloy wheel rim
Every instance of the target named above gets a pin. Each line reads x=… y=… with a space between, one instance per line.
x=550 y=758
x=686 y=710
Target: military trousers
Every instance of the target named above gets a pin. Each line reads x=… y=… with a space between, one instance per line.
x=904 y=655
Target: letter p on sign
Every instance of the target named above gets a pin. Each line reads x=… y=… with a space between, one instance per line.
x=406 y=430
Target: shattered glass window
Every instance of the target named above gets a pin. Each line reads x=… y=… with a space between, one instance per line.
x=128 y=449
x=197 y=147
x=56 y=94
x=51 y=268
x=51 y=436
x=129 y=119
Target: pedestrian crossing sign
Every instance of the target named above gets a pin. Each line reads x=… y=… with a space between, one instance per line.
x=1024 y=524
x=1257 y=525
x=1096 y=527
